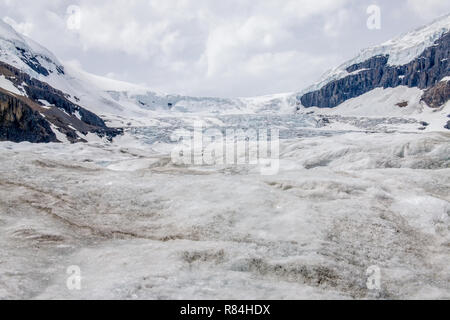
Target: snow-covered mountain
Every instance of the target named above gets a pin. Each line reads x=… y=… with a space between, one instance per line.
x=410 y=72
x=32 y=110
x=117 y=102
x=399 y=51
x=357 y=187
x=417 y=60
x=123 y=102
x=38 y=99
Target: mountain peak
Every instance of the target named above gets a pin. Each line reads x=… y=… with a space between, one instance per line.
x=400 y=50
x=25 y=54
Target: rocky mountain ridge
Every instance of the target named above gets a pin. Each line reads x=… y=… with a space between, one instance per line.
x=30 y=116
x=424 y=72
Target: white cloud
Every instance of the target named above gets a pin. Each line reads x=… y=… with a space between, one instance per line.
x=430 y=8
x=24 y=28
x=207 y=47
x=208 y=40
x=335 y=22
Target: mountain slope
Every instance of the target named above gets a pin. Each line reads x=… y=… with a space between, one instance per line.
x=117 y=102
x=137 y=103
x=32 y=109
x=23 y=95
x=418 y=59
x=20 y=120
x=394 y=53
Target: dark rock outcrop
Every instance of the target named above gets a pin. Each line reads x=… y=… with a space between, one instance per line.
x=38 y=90
x=19 y=122
x=437 y=95
x=423 y=72
x=32 y=61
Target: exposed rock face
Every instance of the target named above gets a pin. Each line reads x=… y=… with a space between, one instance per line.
x=37 y=90
x=19 y=122
x=437 y=95
x=423 y=72
x=33 y=62
x=65 y=115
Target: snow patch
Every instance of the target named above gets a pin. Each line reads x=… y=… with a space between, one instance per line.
x=60 y=136
x=401 y=102
x=9 y=86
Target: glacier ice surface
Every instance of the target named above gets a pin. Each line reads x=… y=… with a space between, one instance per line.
x=141 y=227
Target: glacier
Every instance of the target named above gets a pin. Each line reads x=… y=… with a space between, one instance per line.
x=361 y=185
x=141 y=227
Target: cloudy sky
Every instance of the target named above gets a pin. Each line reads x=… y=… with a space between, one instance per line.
x=213 y=47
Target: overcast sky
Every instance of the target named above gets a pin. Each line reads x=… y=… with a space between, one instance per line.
x=223 y=48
